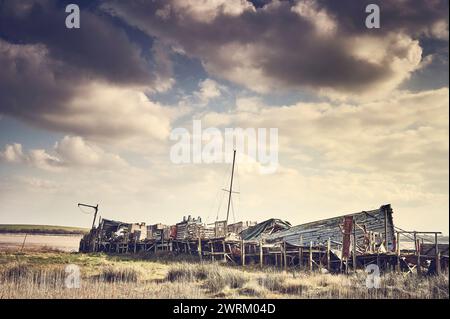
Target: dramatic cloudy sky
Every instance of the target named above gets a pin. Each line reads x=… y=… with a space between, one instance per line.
x=86 y=114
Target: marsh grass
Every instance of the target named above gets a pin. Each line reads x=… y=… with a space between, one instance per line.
x=20 y=272
x=42 y=275
x=212 y=276
x=119 y=274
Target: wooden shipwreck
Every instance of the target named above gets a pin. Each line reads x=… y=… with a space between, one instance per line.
x=338 y=244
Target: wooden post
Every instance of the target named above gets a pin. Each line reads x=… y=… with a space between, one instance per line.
x=354 y=246
x=378 y=259
x=371 y=244
x=320 y=258
x=243 y=252
x=419 y=266
x=416 y=248
x=261 y=257
x=25 y=238
x=200 y=247
x=328 y=254
x=224 y=251
x=415 y=241
x=386 y=229
x=310 y=256
x=212 y=251
x=300 y=257
x=284 y=255
x=438 y=254
x=398 y=253
x=301 y=252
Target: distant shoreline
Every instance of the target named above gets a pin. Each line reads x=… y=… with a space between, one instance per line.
x=41 y=230
x=39 y=234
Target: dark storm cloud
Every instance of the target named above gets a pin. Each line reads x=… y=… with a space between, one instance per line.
x=266 y=46
x=292 y=44
x=414 y=17
x=98 y=49
x=45 y=66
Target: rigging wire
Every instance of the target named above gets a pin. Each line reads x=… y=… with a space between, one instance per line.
x=217 y=199
x=220 y=205
x=211 y=209
x=238 y=190
x=85 y=212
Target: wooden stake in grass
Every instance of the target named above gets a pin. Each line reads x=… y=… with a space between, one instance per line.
x=23 y=244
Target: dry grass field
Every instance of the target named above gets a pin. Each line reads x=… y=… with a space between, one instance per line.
x=42 y=275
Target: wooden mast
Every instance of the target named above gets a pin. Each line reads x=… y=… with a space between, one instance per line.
x=231 y=186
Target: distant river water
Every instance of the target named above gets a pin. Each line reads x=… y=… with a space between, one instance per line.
x=68 y=243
